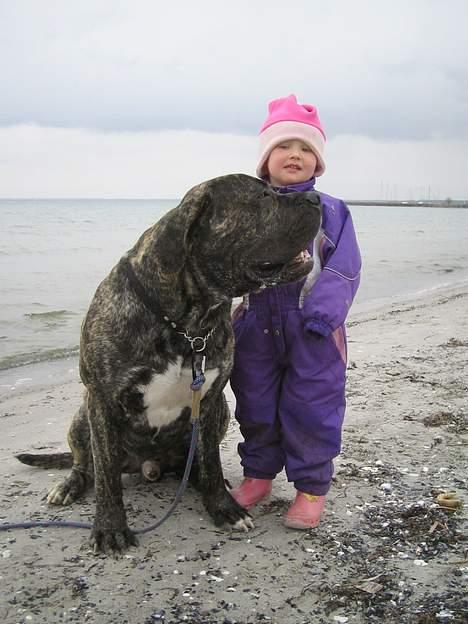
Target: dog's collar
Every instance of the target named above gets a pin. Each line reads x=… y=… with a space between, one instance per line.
x=197 y=343
x=196 y=339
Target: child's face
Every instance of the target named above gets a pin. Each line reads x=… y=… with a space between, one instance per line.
x=291 y=162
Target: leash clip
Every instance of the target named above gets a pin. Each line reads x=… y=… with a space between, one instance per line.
x=198 y=374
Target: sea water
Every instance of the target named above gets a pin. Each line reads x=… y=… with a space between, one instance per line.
x=54 y=253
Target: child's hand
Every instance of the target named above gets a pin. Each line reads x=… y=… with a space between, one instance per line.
x=315 y=327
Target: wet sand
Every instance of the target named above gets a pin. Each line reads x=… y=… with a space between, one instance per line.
x=386 y=551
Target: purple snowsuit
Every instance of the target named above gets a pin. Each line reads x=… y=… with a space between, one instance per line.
x=290 y=360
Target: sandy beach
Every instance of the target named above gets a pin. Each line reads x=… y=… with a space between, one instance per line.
x=386 y=550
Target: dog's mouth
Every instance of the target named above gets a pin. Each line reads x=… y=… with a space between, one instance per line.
x=270 y=273
x=267 y=268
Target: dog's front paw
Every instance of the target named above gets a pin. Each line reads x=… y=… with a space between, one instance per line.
x=112 y=541
x=68 y=490
x=225 y=510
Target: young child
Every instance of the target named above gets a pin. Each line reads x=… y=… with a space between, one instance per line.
x=290 y=359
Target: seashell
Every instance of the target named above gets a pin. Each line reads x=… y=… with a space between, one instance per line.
x=449 y=501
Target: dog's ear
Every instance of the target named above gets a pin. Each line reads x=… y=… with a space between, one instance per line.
x=209 y=199
x=196 y=204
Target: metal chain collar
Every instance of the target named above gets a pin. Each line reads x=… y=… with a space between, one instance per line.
x=193 y=341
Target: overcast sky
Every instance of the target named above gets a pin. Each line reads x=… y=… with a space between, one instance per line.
x=142 y=98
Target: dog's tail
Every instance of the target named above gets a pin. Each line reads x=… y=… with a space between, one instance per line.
x=47 y=460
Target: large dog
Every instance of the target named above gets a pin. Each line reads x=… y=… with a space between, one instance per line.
x=229 y=236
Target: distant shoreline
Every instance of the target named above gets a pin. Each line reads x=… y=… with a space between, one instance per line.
x=429 y=203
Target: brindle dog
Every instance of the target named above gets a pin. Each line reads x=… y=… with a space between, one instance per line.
x=229 y=236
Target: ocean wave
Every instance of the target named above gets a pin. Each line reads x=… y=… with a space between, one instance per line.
x=50 y=319
x=35 y=357
x=50 y=314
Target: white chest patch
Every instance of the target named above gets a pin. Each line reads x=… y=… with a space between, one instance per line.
x=167 y=394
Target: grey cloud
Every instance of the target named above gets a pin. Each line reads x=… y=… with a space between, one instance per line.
x=393 y=71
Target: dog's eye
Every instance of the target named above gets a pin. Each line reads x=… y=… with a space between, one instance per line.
x=269 y=266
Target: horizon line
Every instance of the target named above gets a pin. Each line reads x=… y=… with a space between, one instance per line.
x=446 y=202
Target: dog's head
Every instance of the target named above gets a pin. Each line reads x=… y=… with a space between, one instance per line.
x=240 y=235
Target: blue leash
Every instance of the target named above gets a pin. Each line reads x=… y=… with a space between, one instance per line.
x=198 y=367
x=87 y=525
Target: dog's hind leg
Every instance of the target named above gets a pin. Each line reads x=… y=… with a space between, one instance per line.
x=110 y=532
x=82 y=474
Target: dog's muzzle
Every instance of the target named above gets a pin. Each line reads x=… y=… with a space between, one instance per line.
x=267 y=269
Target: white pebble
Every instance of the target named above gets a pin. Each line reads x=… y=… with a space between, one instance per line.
x=386 y=487
x=444 y=614
x=419 y=562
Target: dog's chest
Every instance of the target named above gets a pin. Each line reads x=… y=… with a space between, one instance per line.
x=168 y=393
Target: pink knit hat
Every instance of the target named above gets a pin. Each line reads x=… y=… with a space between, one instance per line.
x=289 y=120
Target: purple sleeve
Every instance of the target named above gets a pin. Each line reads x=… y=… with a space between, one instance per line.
x=326 y=306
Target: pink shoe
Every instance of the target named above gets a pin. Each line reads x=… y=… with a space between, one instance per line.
x=251 y=491
x=305 y=512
